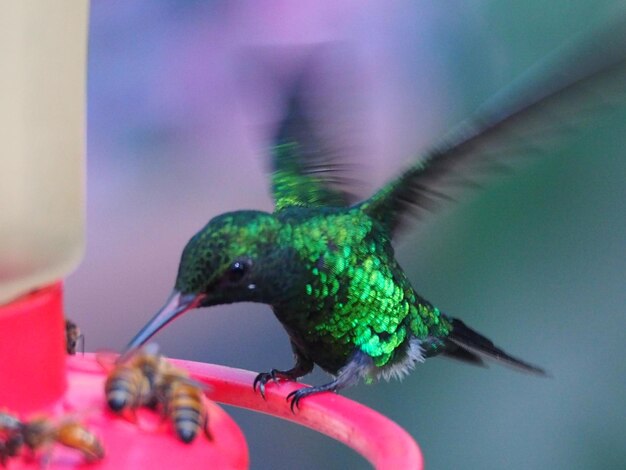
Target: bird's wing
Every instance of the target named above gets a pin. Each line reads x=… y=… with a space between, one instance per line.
x=309 y=164
x=586 y=75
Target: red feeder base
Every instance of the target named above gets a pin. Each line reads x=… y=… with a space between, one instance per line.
x=32 y=348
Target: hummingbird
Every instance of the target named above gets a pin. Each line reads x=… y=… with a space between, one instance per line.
x=325 y=262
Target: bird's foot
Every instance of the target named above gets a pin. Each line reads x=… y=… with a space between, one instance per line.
x=357 y=366
x=274 y=375
x=297 y=395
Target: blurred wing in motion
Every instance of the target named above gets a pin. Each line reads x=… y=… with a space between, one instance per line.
x=552 y=98
x=310 y=159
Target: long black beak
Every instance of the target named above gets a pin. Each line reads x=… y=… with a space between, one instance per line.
x=176 y=305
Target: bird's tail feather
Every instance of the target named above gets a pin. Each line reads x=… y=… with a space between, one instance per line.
x=469 y=346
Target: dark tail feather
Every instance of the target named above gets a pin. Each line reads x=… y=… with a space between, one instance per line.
x=457 y=352
x=470 y=346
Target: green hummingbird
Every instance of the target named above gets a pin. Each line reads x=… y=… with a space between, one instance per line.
x=325 y=263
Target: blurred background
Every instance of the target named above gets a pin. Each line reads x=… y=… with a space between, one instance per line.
x=182 y=99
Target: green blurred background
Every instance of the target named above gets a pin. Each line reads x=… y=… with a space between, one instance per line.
x=178 y=134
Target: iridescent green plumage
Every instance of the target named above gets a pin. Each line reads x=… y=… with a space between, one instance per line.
x=356 y=294
x=325 y=263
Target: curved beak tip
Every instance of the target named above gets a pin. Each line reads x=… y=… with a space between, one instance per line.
x=176 y=305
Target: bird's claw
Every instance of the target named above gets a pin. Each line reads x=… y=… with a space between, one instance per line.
x=294 y=399
x=260 y=381
x=274 y=375
x=297 y=395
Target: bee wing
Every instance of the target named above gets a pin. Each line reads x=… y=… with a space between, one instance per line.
x=79 y=416
x=9 y=421
x=107 y=359
x=181 y=376
x=150 y=349
x=205 y=387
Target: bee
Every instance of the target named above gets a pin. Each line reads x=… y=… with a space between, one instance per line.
x=73 y=336
x=42 y=433
x=145 y=378
x=183 y=402
x=132 y=382
x=11 y=440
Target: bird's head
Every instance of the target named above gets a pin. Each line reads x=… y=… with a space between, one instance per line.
x=225 y=261
x=234 y=258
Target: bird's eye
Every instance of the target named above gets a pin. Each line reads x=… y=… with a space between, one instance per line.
x=237 y=271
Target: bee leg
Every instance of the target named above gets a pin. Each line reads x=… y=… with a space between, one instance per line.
x=163 y=404
x=130 y=414
x=303 y=366
x=81 y=340
x=205 y=426
x=161 y=400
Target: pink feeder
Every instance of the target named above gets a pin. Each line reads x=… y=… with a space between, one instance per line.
x=38 y=380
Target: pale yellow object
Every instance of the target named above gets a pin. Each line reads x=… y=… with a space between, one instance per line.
x=43 y=50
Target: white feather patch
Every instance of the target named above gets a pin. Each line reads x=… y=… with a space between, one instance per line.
x=401 y=368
